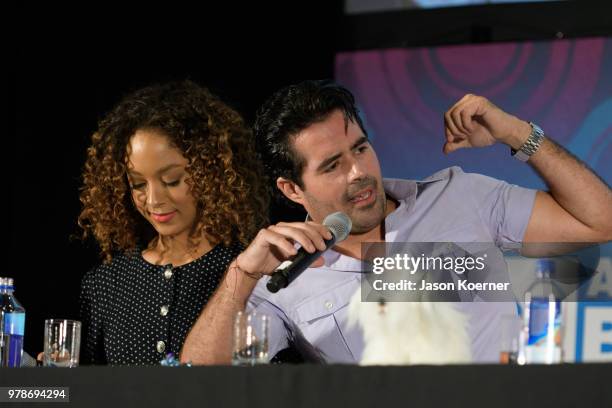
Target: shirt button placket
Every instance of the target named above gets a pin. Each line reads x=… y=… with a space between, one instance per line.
x=167 y=273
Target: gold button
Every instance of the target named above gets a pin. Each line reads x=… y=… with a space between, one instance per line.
x=161 y=346
x=168 y=274
x=163 y=310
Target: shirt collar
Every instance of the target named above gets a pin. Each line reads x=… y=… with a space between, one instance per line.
x=405 y=192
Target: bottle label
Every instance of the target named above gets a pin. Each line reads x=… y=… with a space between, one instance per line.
x=544 y=341
x=14 y=323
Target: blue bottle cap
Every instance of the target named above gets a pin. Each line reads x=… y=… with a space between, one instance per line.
x=545 y=267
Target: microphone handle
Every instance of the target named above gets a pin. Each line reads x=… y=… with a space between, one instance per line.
x=287 y=273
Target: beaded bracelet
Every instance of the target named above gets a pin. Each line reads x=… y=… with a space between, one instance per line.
x=172 y=361
x=252 y=275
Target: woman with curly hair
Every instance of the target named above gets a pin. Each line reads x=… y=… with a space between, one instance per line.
x=172 y=192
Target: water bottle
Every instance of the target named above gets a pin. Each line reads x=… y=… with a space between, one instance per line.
x=543 y=318
x=12 y=325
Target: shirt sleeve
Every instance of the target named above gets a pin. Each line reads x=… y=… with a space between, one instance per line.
x=505 y=208
x=92 y=343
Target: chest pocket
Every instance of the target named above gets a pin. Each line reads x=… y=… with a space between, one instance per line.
x=321 y=317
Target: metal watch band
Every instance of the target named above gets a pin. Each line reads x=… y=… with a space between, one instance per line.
x=531 y=145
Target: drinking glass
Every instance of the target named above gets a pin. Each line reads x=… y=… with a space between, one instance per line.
x=250 y=339
x=62 y=343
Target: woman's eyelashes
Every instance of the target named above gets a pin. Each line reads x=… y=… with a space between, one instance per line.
x=137 y=186
x=172 y=183
x=141 y=185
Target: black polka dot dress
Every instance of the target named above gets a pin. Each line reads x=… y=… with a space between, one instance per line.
x=134 y=312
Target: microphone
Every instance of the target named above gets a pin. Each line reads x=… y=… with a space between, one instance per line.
x=339 y=224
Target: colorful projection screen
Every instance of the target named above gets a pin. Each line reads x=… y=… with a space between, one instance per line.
x=565 y=86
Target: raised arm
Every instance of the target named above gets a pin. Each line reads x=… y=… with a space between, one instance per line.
x=578 y=205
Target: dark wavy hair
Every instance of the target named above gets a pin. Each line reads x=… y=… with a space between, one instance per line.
x=223 y=169
x=288 y=112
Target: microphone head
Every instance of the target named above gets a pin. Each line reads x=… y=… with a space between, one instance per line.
x=339 y=225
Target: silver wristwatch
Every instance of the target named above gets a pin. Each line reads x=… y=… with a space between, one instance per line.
x=532 y=144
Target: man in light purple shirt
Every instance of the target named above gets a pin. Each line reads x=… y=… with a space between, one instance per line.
x=317 y=153
x=315 y=304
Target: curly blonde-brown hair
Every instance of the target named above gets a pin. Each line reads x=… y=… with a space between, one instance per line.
x=224 y=173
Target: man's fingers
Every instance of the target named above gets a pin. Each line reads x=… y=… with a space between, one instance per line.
x=283 y=244
x=316 y=232
x=447 y=148
x=449 y=136
x=307 y=236
x=452 y=122
x=465 y=109
x=450 y=147
x=466 y=116
x=295 y=234
x=458 y=120
x=308 y=225
x=325 y=233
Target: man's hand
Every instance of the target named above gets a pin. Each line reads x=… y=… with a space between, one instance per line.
x=275 y=244
x=207 y=342
x=475 y=122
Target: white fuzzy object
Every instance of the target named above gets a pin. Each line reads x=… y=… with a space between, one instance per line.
x=403 y=333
